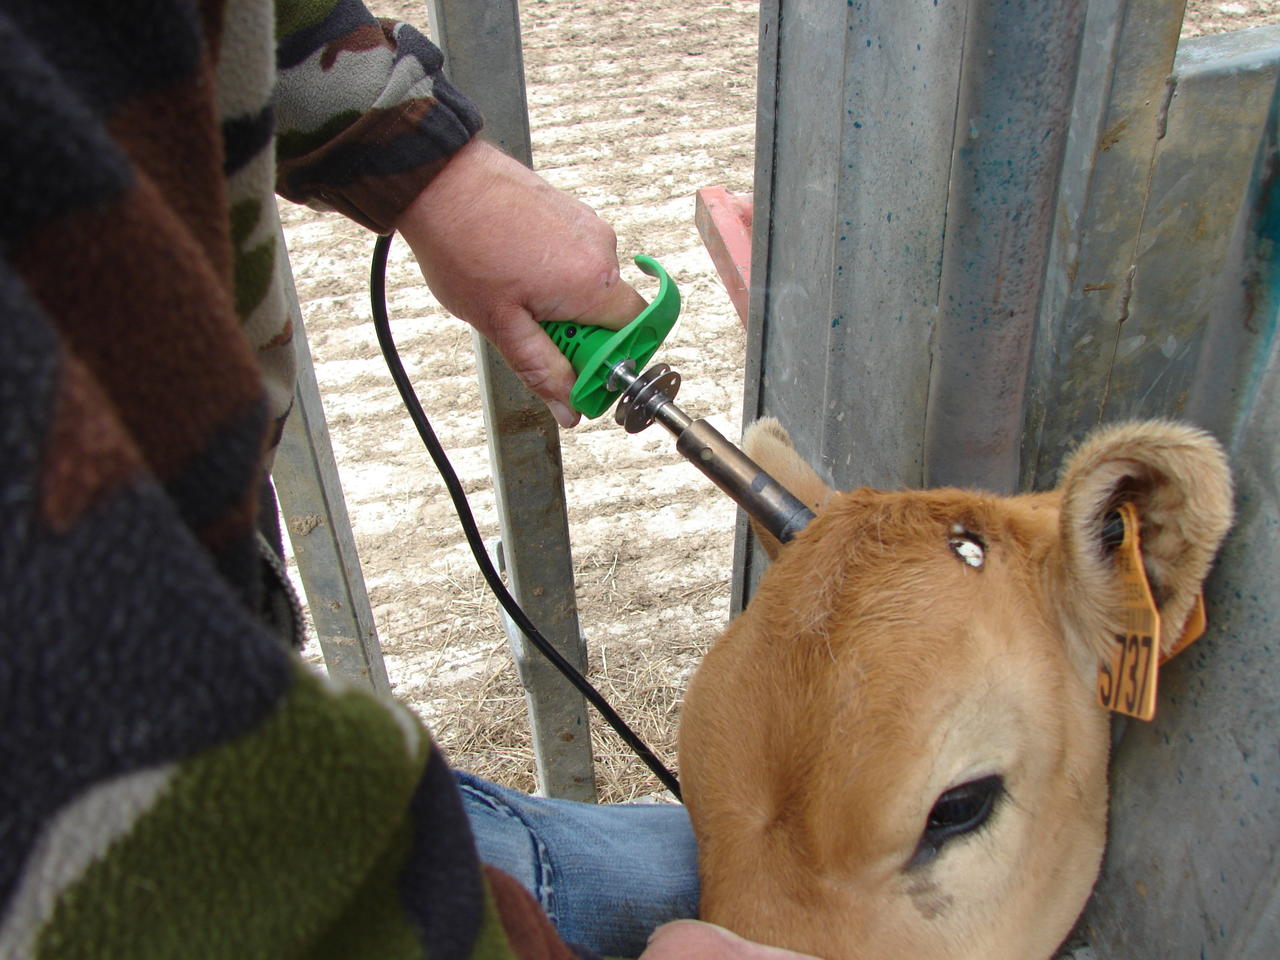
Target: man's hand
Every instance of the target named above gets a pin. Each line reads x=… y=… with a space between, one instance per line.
x=504 y=250
x=693 y=940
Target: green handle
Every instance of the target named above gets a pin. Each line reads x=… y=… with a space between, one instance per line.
x=595 y=351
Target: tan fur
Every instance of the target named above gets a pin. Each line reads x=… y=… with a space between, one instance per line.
x=875 y=670
x=1176 y=477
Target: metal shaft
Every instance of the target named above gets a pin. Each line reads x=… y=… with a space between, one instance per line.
x=763 y=497
x=746 y=483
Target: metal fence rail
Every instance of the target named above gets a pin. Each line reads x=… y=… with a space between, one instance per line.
x=315 y=519
x=481 y=42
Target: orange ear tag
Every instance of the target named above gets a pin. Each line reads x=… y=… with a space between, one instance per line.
x=1127 y=680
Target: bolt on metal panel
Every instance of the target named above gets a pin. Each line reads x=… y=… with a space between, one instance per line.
x=481 y=43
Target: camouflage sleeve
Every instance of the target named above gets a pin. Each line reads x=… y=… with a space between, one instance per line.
x=173 y=780
x=364 y=116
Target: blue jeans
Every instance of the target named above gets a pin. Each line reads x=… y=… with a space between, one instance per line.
x=606 y=875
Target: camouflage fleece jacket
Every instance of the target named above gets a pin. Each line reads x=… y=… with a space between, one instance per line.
x=173 y=782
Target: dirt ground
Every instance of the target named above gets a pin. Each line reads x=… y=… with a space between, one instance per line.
x=632 y=109
x=1214 y=16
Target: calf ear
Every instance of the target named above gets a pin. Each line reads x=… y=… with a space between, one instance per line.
x=768 y=444
x=1177 y=478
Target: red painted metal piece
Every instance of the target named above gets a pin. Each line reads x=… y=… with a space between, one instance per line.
x=724 y=223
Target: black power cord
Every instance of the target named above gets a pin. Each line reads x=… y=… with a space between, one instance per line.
x=382 y=324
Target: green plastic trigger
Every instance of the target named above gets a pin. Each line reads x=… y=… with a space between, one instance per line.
x=595 y=351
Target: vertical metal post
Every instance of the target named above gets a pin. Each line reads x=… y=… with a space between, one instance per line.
x=907 y=156
x=315 y=516
x=1014 y=107
x=855 y=118
x=481 y=42
x=1124 y=92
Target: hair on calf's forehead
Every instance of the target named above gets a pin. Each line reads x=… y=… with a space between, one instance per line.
x=890 y=555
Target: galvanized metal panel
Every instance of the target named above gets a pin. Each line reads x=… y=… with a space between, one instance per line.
x=1222 y=89
x=481 y=42
x=1117 y=119
x=847 y=260
x=1016 y=92
x=1192 y=867
x=854 y=142
x=1141 y=244
x=907 y=157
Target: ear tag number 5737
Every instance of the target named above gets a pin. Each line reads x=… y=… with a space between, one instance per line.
x=1127 y=679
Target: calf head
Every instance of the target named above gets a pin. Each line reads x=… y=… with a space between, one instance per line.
x=896 y=750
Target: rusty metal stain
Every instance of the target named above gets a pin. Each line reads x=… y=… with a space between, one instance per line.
x=1095 y=287
x=526 y=420
x=1112 y=136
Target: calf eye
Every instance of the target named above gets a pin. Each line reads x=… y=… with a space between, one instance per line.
x=963 y=809
x=960 y=810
